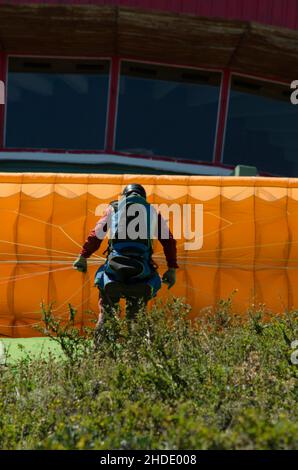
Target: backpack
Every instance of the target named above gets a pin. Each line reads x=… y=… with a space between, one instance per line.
x=130 y=245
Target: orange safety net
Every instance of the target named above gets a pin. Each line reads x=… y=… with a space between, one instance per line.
x=250 y=242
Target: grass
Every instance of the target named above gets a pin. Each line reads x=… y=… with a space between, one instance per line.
x=16 y=349
x=163 y=382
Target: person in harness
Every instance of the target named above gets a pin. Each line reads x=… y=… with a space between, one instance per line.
x=129 y=271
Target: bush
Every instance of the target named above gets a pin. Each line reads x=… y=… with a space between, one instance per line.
x=163 y=382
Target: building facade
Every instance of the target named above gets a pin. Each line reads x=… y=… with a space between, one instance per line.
x=149 y=86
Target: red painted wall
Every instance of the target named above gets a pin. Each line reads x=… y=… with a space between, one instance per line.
x=275 y=12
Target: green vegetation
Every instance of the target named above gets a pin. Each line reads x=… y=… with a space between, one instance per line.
x=162 y=382
x=34 y=348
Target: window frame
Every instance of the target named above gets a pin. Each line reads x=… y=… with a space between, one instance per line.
x=251 y=77
x=42 y=149
x=113 y=104
x=177 y=66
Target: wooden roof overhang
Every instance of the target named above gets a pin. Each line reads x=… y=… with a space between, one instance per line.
x=93 y=30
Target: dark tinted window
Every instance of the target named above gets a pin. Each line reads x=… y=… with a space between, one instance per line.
x=167 y=111
x=58 y=104
x=262 y=127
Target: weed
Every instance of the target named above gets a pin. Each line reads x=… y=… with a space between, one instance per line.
x=161 y=382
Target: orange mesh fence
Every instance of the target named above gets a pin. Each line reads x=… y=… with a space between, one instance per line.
x=249 y=233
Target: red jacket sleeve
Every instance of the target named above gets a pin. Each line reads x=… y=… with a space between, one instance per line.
x=96 y=235
x=168 y=242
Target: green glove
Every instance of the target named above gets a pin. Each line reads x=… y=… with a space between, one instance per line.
x=80 y=264
x=169 y=277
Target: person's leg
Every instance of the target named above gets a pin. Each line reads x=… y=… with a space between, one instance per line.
x=137 y=297
x=108 y=304
x=134 y=305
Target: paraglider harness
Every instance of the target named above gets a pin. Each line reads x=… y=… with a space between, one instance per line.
x=129 y=260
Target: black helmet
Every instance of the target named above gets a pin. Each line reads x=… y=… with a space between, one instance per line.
x=134 y=188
